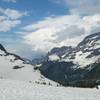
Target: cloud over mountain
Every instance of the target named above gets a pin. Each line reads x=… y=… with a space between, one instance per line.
x=60 y=30
x=52 y=23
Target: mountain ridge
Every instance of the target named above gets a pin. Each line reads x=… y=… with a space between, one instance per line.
x=67 y=66
x=81 y=59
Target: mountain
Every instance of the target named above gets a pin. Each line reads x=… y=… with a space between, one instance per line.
x=60 y=51
x=14 y=67
x=86 y=52
x=73 y=66
x=68 y=66
x=55 y=54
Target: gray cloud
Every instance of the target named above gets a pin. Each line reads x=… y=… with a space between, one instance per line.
x=95 y=29
x=69 y=32
x=82 y=7
x=87 y=10
x=59 y=31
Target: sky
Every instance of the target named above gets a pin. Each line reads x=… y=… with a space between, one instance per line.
x=31 y=28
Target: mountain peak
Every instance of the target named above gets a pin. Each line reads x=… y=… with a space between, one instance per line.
x=2 y=48
x=91 y=41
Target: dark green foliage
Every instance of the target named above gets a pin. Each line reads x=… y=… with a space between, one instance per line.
x=87 y=83
x=94 y=73
x=56 y=70
x=63 y=73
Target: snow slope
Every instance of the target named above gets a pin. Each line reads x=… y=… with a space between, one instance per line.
x=16 y=90
x=13 y=67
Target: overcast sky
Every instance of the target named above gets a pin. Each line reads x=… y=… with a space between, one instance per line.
x=31 y=28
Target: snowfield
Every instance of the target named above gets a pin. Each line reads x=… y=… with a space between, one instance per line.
x=25 y=72
x=16 y=90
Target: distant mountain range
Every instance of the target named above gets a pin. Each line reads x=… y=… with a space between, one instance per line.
x=68 y=66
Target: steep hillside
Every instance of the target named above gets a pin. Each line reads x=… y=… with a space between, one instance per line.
x=14 y=67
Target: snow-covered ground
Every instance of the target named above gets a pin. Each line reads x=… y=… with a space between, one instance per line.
x=24 y=72
x=16 y=90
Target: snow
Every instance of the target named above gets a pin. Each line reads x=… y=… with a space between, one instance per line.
x=2 y=52
x=89 y=44
x=93 y=45
x=16 y=90
x=53 y=57
x=94 y=37
x=99 y=86
x=81 y=59
x=97 y=45
x=26 y=73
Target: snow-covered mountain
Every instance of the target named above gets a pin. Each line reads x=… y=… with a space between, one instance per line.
x=14 y=67
x=69 y=66
x=86 y=52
